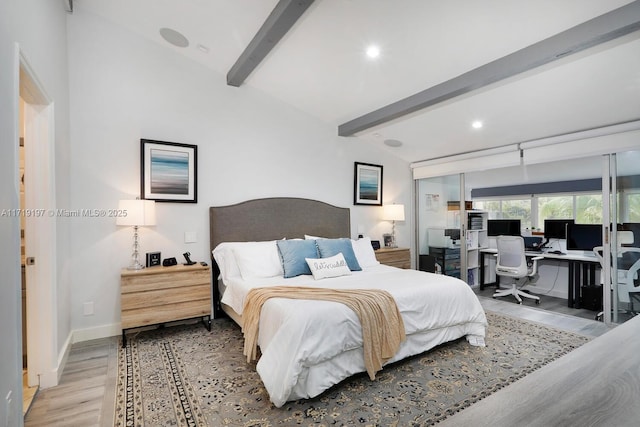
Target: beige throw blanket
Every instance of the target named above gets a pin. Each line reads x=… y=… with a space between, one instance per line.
x=382 y=326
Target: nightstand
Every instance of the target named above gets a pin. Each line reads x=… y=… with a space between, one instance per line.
x=395 y=257
x=156 y=295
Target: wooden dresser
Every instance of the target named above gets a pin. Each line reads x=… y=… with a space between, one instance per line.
x=395 y=257
x=157 y=295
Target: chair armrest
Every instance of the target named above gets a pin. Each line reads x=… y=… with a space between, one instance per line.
x=534 y=267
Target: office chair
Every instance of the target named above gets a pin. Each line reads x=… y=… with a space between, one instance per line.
x=628 y=270
x=512 y=262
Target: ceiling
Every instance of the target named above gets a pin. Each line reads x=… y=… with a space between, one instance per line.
x=320 y=66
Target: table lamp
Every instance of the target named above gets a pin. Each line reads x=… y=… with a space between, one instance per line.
x=393 y=213
x=139 y=213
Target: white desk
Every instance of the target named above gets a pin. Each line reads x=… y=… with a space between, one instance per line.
x=582 y=271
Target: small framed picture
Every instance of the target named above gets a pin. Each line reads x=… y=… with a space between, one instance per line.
x=169 y=171
x=367 y=183
x=389 y=241
x=153 y=259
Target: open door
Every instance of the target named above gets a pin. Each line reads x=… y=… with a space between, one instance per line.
x=40 y=230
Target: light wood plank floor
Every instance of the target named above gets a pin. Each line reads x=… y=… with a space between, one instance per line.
x=28 y=393
x=86 y=393
x=595 y=385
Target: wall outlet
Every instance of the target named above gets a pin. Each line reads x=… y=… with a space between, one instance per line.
x=87 y=308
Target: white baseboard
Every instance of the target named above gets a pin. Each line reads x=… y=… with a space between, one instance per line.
x=104 y=331
x=52 y=378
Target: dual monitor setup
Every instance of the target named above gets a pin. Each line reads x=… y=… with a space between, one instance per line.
x=579 y=237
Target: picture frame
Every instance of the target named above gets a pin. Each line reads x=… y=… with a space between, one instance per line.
x=153 y=259
x=168 y=171
x=367 y=184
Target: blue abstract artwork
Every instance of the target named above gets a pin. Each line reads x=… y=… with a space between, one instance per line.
x=368 y=184
x=169 y=172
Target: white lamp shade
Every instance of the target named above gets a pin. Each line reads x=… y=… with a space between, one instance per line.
x=393 y=213
x=138 y=212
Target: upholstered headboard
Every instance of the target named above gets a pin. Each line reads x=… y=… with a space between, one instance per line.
x=273 y=219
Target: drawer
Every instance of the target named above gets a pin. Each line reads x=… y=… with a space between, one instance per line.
x=165 y=313
x=150 y=282
x=138 y=300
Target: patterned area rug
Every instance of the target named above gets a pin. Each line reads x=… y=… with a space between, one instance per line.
x=187 y=376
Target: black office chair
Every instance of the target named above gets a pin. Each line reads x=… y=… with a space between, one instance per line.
x=512 y=262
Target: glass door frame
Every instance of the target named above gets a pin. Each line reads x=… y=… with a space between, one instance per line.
x=463 y=226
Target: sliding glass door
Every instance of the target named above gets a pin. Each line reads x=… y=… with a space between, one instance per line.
x=441 y=224
x=621 y=239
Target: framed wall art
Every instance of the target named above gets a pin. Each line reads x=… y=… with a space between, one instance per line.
x=367 y=183
x=169 y=171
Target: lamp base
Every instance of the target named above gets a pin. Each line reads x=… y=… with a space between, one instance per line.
x=135 y=266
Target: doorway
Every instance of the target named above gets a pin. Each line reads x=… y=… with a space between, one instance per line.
x=37 y=183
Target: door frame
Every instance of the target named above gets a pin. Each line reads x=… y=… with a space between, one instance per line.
x=41 y=278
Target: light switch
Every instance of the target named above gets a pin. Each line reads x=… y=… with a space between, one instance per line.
x=190 y=237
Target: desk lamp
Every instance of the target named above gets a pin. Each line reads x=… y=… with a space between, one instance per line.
x=393 y=213
x=139 y=213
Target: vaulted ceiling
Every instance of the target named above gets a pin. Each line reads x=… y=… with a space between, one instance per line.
x=526 y=69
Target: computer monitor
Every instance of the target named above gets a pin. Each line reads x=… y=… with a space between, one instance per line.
x=453 y=233
x=503 y=227
x=556 y=228
x=583 y=237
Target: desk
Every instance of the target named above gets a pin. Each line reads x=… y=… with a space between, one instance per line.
x=582 y=271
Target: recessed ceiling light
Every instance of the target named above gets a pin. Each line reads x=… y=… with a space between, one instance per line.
x=393 y=143
x=174 y=37
x=373 y=51
x=477 y=124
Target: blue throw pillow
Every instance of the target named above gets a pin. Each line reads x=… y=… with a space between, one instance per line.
x=330 y=247
x=293 y=254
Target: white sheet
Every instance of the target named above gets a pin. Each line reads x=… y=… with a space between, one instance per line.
x=308 y=346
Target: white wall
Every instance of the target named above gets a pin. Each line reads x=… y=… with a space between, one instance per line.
x=124 y=88
x=38 y=29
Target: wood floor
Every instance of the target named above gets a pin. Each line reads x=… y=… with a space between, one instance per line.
x=28 y=393
x=86 y=393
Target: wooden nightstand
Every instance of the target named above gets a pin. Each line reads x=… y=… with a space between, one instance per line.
x=395 y=257
x=157 y=295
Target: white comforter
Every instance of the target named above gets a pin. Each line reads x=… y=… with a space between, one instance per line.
x=309 y=346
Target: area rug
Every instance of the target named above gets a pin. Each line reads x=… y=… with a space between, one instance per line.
x=187 y=376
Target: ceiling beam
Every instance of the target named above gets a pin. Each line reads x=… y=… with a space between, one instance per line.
x=279 y=22
x=601 y=29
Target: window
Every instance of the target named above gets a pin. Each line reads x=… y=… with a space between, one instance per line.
x=518 y=209
x=554 y=207
x=508 y=209
x=532 y=211
x=633 y=204
x=589 y=209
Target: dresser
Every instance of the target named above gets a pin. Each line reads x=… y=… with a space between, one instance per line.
x=156 y=295
x=395 y=257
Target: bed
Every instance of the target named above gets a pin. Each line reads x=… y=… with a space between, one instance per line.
x=307 y=346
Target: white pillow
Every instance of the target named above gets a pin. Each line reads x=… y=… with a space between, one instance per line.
x=258 y=259
x=308 y=237
x=226 y=260
x=364 y=252
x=334 y=266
